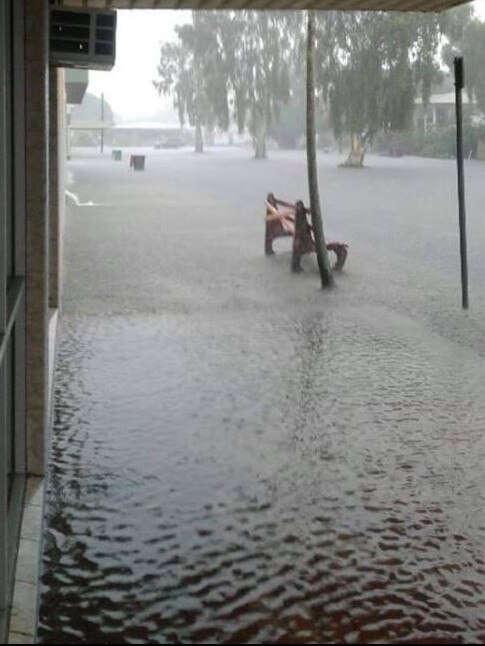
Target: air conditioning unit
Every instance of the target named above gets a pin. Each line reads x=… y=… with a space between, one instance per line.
x=84 y=38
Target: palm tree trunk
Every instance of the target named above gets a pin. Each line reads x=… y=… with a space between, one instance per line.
x=321 y=249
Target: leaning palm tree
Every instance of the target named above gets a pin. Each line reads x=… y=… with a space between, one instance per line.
x=316 y=213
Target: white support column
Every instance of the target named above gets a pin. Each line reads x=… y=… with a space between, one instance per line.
x=57 y=162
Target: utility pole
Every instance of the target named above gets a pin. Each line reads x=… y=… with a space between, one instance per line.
x=102 y=123
x=459 y=85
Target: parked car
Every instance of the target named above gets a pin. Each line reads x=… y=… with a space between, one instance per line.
x=172 y=142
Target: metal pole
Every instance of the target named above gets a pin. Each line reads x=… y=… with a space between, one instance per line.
x=102 y=121
x=459 y=84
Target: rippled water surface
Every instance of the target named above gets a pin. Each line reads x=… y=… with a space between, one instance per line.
x=239 y=458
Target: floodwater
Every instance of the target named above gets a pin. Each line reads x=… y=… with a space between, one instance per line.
x=239 y=457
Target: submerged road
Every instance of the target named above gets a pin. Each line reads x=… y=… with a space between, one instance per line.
x=238 y=456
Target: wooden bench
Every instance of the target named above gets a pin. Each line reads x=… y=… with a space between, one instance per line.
x=303 y=241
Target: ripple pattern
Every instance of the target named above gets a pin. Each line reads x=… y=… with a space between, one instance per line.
x=286 y=478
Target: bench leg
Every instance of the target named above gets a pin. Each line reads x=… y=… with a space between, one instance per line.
x=296 y=261
x=268 y=242
x=341 y=258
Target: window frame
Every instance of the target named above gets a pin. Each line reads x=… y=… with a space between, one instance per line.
x=12 y=293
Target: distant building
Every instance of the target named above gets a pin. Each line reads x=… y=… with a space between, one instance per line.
x=149 y=133
x=441 y=110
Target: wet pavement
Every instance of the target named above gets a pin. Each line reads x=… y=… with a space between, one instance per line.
x=240 y=457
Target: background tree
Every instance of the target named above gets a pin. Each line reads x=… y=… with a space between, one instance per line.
x=466 y=37
x=263 y=83
x=473 y=52
x=371 y=65
x=230 y=64
x=256 y=51
x=191 y=70
x=289 y=129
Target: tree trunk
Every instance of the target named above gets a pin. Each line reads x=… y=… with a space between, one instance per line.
x=259 y=139
x=356 y=154
x=199 y=141
x=321 y=249
x=260 y=149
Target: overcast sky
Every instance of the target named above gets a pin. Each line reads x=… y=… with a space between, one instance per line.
x=128 y=87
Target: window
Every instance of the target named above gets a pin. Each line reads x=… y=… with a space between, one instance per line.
x=12 y=295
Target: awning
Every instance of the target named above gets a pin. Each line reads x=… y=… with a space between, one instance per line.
x=348 y=5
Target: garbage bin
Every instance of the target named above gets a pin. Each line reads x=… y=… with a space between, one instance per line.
x=138 y=162
x=116 y=155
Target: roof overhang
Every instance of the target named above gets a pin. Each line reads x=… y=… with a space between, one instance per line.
x=76 y=85
x=346 y=5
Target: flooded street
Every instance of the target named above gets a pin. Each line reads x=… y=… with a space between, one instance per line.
x=239 y=457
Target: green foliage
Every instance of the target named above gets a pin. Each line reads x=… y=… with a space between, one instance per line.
x=246 y=66
x=469 y=42
x=439 y=142
x=372 y=64
x=261 y=77
x=290 y=127
x=192 y=71
x=230 y=64
x=455 y=21
x=289 y=130
x=258 y=50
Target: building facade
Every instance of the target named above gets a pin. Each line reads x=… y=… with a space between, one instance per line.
x=440 y=111
x=13 y=455
x=31 y=201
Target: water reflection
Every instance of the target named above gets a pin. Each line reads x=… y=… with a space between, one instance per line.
x=329 y=491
